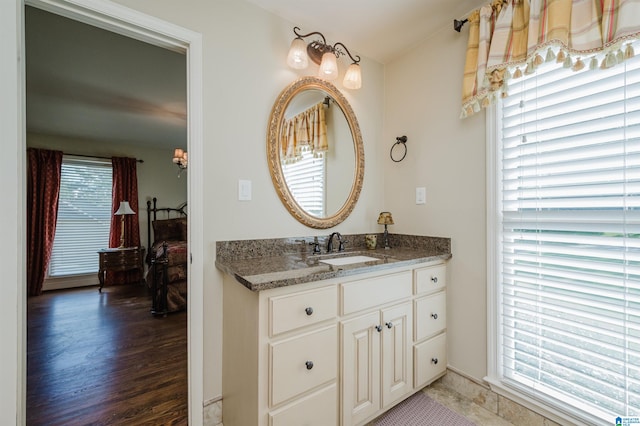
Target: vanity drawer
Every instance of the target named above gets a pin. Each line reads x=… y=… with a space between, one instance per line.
x=318 y=409
x=430 y=360
x=302 y=363
x=300 y=309
x=430 y=279
x=374 y=292
x=430 y=315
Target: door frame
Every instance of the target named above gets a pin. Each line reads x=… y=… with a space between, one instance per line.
x=131 y=23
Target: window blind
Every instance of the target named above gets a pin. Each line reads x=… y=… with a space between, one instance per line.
x=84 y=216
x=569 y=329
x=306 y=181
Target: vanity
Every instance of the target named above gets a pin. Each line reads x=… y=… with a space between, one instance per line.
x=307 y=342
x=319 y=332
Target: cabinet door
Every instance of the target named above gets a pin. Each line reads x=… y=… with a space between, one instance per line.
x=360 y=368
x=397 y=353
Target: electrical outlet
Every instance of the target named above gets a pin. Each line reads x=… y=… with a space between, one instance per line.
x=421 y=195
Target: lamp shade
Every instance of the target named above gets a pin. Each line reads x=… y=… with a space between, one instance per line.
x=385 y=218
x=178 y=154
x=297 y=57
x=124 y=208
x=353 y=77
x=328 y=67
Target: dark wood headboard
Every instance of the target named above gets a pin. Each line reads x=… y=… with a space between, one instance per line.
x=169 y=212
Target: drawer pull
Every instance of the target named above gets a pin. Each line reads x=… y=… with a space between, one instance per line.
x=389 y=324
x=434 y=316
x=434 y=360
x=309 y=365
x=378 y=328
x=309 y=311
x=435 y=280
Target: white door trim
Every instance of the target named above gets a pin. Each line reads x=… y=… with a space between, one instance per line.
x=134 y=24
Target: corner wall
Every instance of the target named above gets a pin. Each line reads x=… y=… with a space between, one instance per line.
x=447 y=156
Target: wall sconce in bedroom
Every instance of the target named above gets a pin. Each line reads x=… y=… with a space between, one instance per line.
x=180 y=159
x=324 y=55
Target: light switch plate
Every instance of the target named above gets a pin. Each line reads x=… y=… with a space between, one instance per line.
x=421 y=195
x=244 y=190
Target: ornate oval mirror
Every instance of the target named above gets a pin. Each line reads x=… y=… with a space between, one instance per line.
x=315 y=152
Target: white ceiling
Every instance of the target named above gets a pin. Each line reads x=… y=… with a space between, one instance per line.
x=88 y=83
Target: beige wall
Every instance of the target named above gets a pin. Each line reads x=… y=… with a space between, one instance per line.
x=244 y=54
x=447 y=156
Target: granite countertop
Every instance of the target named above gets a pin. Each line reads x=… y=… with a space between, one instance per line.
x=265 y=264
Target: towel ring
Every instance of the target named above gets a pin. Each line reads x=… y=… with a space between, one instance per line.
x=400 y=140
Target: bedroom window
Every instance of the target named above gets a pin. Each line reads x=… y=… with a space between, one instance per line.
x=306 y=181
x=84 y=216
x=566 y=237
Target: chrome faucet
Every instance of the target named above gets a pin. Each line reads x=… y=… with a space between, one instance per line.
x=330 y=242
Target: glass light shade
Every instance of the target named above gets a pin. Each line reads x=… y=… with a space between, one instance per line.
x=297 y=57
x=353 y=77
x=328 y=67
x=177 y=155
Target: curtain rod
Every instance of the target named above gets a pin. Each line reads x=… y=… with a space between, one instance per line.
x=96 y=156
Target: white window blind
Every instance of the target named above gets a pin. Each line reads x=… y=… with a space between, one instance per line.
x=569 y=291
x=306 y=181
x=84 y=216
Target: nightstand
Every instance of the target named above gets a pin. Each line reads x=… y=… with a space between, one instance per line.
x=120 y=259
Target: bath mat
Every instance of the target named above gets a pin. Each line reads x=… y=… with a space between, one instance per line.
x=421 y=410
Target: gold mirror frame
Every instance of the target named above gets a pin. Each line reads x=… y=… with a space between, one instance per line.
x=276 y=121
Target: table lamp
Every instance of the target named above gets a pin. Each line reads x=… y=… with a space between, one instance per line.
x=125 y=209
x=385 y=219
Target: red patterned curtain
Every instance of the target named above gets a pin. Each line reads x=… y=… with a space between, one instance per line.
x=125 y=188
x=43 y=189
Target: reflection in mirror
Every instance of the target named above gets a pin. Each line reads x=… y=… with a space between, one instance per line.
x=315 y=152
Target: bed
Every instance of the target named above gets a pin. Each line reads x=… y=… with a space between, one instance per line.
x=167 y=258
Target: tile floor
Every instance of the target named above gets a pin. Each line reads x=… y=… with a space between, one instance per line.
x=464 y=406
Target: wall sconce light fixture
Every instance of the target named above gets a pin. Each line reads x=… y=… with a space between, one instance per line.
x=180 y=159
x=326 y=56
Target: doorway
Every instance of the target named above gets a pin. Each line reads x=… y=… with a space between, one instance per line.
x=124 y=21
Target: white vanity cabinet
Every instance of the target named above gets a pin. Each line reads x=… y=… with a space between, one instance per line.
x=376 y=356
x=339 y=351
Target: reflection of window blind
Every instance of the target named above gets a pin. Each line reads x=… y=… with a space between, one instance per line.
x=306 y=181
x=84 y=217
x=570 y=249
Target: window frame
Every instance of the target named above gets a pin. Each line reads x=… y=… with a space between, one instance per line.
x=537 y=402
x=53 y=282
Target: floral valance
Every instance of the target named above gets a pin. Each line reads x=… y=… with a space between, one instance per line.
x=510 y=37
x=304 y=132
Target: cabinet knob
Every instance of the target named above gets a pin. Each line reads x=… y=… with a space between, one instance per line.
x=434 y=279
x=389 y=324
x=309 y=365
x=434 y=360
x=378 y=328
x=309 y=310
x=434 y=316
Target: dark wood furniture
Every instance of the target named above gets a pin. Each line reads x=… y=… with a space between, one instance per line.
x=167 y=258
x=120 y=259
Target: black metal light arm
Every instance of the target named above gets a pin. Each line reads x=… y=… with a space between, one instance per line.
x=355 y=61
x=324 y=41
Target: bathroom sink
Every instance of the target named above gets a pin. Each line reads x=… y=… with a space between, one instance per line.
x=347 y=260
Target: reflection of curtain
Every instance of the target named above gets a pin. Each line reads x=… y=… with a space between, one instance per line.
x=306 y=131
x=43 y=189
x=125 y=188
x=527 y=33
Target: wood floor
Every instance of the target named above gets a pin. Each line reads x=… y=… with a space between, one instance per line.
x=103 y=359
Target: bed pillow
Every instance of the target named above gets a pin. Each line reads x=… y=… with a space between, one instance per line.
x=170 y=229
